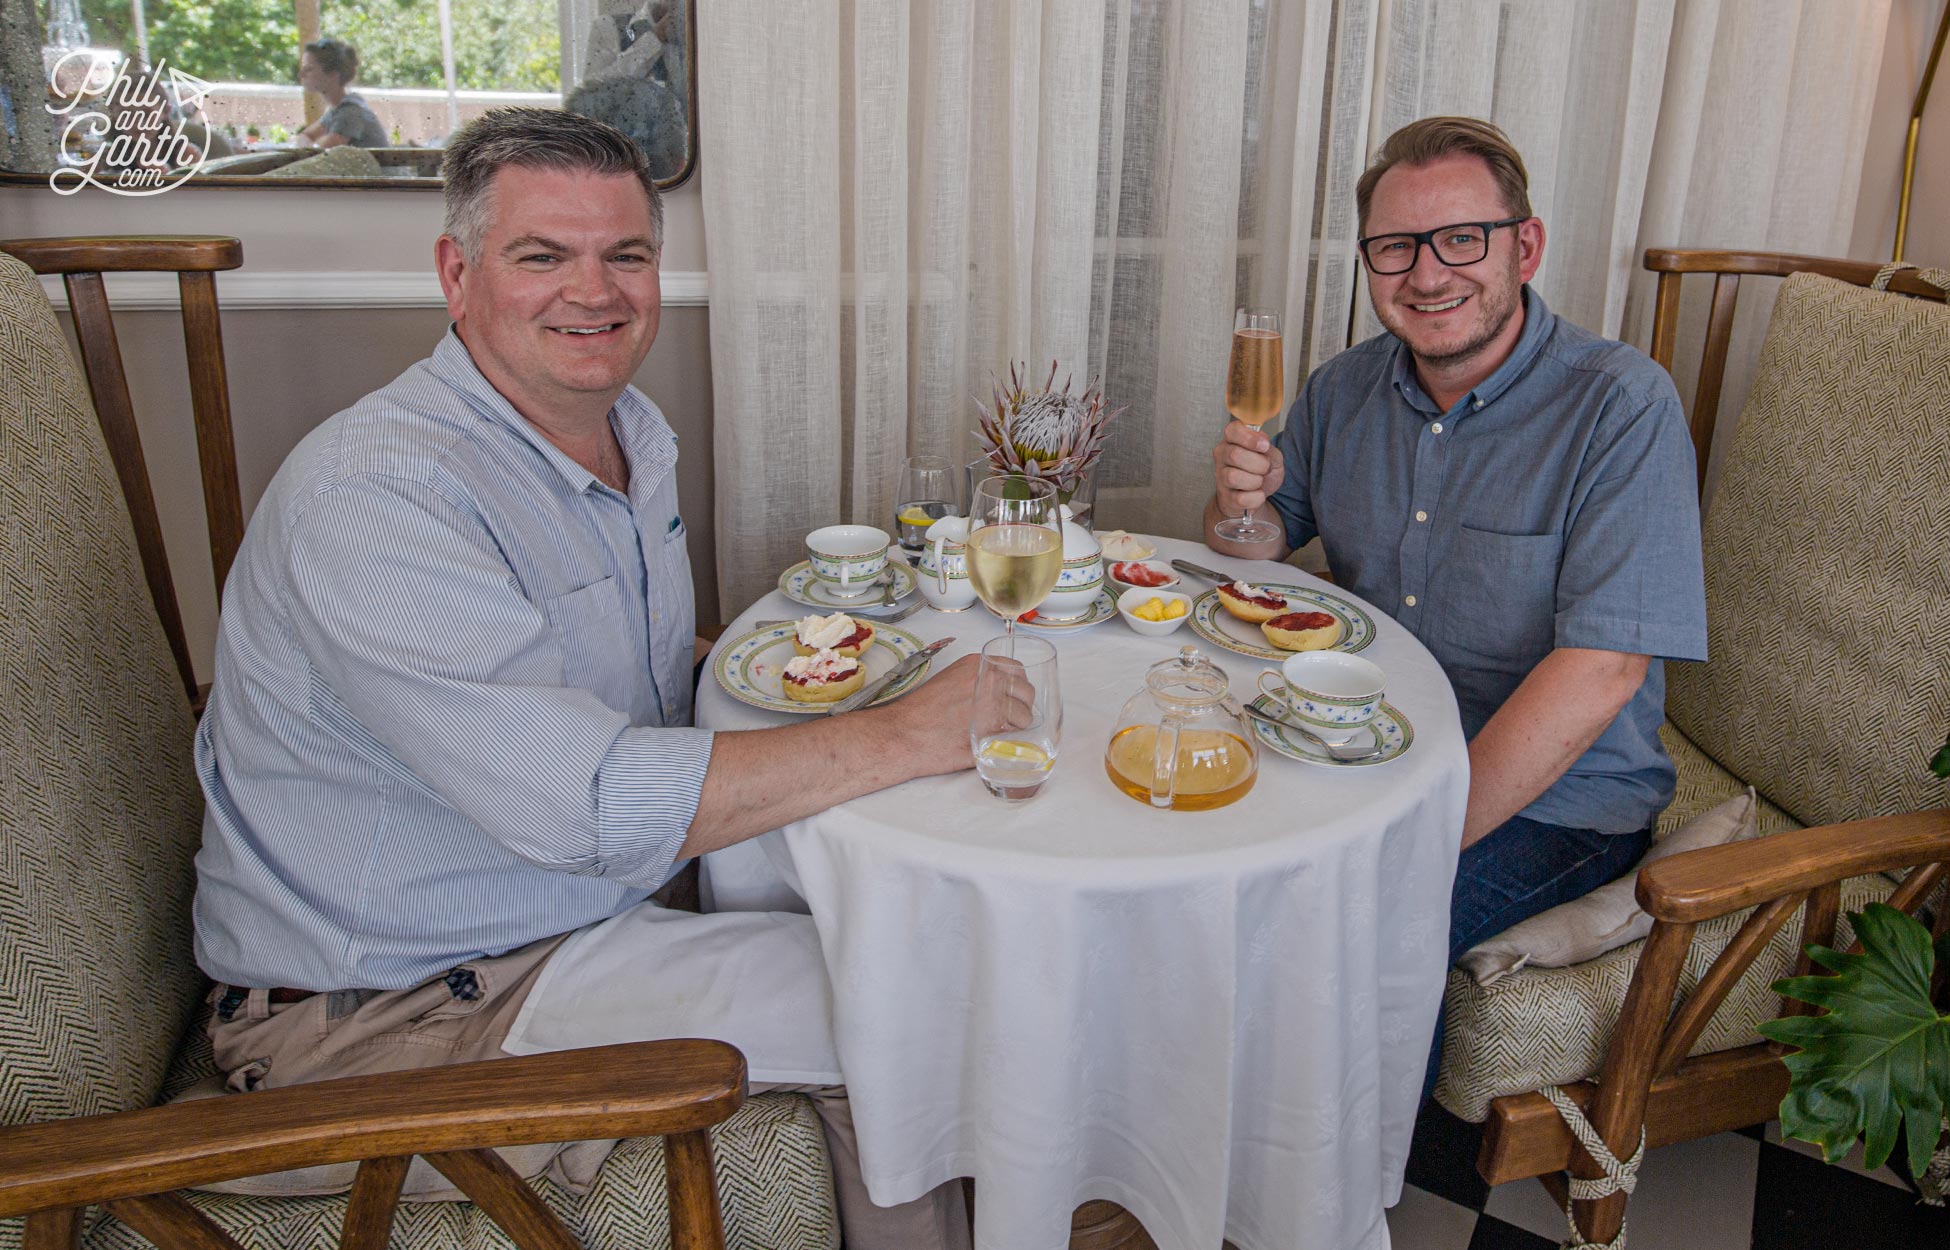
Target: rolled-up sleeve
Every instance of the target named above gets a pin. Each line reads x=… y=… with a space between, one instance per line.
x=1631 y=578
x=424 y=649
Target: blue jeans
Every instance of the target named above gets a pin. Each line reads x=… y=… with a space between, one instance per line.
x=1521 y=868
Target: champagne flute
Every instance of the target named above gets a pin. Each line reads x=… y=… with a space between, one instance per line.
x=1015 y=545
x=1255 y=385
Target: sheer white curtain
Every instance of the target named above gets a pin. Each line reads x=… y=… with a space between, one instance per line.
x=900 y=198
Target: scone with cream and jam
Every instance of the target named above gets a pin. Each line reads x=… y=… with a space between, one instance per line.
x=1251 y=603
x=1302 y=631
x=825 y=676
x=838 y=633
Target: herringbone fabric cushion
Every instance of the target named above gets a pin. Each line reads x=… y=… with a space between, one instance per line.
x=1827 y=580
x=99 y=806
x=1547 y=1026
x=774 y=1185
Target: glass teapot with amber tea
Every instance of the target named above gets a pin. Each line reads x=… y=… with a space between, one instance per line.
x=1182 y=742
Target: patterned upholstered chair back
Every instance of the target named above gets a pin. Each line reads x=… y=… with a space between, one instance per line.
x=99 y=806
x=1828 y=561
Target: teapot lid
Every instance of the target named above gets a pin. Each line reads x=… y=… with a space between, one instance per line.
x=1078 y=541
x=1188 y=679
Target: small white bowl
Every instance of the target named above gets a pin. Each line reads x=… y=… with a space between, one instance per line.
x=1137 y=596
x=1123 y=585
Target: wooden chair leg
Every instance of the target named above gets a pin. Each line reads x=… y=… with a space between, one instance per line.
x=1099 y=1225
x=53 y=1230
x=504 y=1197
x=695 y=1223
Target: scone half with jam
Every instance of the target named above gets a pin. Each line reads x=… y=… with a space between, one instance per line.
x=825 y=676
x=1302 y=631
x=1252 y=604
x=838 y=633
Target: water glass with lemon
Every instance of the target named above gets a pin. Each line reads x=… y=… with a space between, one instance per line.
x=1016 y=724
x=925 y=495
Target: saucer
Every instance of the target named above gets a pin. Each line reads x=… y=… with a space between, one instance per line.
x=1101 y=609
x=800 y=586
x=750 y=666
x=1396 y=734
x=1213 y=623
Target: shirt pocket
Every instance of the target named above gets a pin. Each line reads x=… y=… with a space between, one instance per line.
x=1501 y=595
x=590 y=628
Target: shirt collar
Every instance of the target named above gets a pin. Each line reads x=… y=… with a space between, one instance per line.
x=1538 y=322
x=649 y=445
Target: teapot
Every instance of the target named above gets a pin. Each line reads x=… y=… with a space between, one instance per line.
x=944 y=566
x=1182 y=742
x=1082 y=577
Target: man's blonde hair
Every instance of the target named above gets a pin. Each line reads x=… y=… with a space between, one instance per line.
x=1431 y=139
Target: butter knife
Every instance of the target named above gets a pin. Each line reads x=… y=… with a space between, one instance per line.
x=1199 y=570
x=860 y=698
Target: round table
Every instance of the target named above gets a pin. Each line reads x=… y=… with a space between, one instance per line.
x=1219 y=1020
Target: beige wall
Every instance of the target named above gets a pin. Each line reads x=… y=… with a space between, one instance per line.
x=1912 y=25
x=292 y=368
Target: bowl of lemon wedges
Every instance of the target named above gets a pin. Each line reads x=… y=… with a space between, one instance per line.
x=1154 y=613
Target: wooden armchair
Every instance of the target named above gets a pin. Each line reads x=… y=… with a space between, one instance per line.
x=100 y=1019
x=195 y=260
x=1826 y=593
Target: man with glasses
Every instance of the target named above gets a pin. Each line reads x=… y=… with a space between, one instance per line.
x=1518 y=493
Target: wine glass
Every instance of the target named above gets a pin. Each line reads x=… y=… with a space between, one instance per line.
x=1016 y=721
x=926 y=494
x=1015 y=544
x=1255 y=385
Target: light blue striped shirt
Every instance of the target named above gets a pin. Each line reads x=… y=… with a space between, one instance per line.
x=453 y=675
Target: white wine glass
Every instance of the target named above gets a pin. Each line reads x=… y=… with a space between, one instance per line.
x=1015 y=544
x=1255 y=385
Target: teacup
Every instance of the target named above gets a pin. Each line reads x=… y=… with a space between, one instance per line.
x=1334 y=694
x=847 y=558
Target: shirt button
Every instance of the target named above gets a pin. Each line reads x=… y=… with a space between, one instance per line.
x=1421 y=516
x=1479 y=405
x=1410 y=601
x=1436 y=428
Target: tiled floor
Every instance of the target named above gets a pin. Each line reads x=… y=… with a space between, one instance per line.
x=1737 y=1190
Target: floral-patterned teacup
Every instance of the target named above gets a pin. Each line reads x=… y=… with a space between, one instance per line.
x=1330 y=692
x=847 y=557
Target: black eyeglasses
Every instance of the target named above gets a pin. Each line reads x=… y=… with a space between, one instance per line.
x=1464 y=243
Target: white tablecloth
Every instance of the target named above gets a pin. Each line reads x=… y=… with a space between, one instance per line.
x=1219 y=1020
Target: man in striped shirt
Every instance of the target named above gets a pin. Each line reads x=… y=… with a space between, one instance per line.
x=451 y=718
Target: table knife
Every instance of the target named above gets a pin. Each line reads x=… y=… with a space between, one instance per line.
x=860 y=698
x=1199 y=570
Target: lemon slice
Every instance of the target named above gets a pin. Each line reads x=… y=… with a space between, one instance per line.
x=1010 y=751
x=916 y=515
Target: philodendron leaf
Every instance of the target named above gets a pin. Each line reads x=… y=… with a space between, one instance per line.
x=1881 y=1053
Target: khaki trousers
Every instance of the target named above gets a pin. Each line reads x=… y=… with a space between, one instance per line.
x=464 y=1017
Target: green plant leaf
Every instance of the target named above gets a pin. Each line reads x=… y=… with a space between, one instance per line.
x=1941 y=764
x=1881 y=1054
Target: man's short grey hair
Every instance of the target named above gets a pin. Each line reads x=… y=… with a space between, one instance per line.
x=533 y=138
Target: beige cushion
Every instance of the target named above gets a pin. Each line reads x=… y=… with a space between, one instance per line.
x=99 y=807
x=1546 y=1026
x=1827 y=586
x=343 y=161
x=1609 y=916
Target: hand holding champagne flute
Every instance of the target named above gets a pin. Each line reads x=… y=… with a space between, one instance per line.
x=1255 y=387
x=1015 y=545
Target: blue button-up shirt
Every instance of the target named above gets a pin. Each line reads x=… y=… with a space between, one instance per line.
x=1552 y=506
x=452 y=675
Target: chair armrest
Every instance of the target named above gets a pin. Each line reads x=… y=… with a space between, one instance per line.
x=640 y=1089
x=1713 y=881
x=127 y=254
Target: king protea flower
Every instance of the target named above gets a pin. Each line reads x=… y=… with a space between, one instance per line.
x=1045 y=433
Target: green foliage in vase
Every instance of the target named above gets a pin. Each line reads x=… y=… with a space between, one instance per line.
x=1045 y=432
x=1881 y=1053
